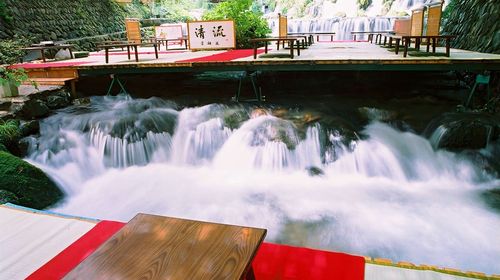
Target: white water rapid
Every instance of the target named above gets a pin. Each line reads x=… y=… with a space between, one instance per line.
x=343 y=16
x=390 y=195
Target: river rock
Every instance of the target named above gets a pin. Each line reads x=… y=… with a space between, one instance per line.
x=492 y=198
x=57 y=102
x=28 y=183
x=32 y=109
x=29 y=128
x=314 y=171
x=466 y=130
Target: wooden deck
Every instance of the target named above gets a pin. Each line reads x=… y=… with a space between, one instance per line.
x=321 y=56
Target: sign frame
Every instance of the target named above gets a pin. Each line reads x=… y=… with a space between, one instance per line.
x=211 y=49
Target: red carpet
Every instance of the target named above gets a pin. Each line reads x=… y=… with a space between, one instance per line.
x=225 y=56
x=272 y=262
x=275 y=261
x=74 y=254
x=48 y=64
x=132 y=53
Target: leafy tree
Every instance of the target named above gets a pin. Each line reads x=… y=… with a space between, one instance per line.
x=364 y=4
x=249 y=24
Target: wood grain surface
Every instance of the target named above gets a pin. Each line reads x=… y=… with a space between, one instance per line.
x=155 y=247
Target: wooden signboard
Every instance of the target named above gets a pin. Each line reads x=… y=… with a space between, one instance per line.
x=173 y=31
x=133 y=28
x=283 y=26
x=211 y=35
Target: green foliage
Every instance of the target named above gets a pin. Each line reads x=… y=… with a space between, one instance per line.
x=137 y=10
x=4 y=14
x=364 y=4
x=30 y=185
x=175 y=13
x=10 y=49
x=248 y=24
x=447 y=11
x=9 y=132
x=16 y=76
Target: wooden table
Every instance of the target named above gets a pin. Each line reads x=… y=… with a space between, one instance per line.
x=290 y=40
x=42 y=49
x=181 y=39
x=128 y=45
x=370 y=34
x=155 y=247
x=317 y=34
x=406 y=39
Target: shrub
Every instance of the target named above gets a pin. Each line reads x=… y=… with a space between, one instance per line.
x=10 y=50
x=248 y=24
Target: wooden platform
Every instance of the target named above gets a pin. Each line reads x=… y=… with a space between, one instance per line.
x=156 y=247
x=322 y=56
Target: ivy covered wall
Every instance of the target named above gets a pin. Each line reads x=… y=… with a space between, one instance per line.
x=476 y=24
x=42 y=20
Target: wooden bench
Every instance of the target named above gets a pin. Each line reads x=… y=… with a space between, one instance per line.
x=128 y=45
x=291 y=41
x=42 y=49
x=155 y=247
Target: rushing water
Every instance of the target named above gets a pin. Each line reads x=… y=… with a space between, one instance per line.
x=345 y=16
x=381 y=192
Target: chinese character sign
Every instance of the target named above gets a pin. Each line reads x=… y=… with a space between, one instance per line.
x=211 y=35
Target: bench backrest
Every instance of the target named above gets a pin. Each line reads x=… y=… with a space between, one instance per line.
x=283 y=26
x=434 y=20
x=133 y=28
x=417 y=22
x=402 y=27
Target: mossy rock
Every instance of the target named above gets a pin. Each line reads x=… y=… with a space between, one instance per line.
x=8 y=197
x=29 y=184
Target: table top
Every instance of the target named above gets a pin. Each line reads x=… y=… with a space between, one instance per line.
x=156 y=247
x=44 y=47
x=273 y=39
x=313 y=33
x=172 y=39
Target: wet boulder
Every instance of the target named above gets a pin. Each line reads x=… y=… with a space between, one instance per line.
x=466 y=130
x=27 y=183
x=274 y=129
x=315 y=171
x=29 y=128
x=32 y=109
x=233 y=118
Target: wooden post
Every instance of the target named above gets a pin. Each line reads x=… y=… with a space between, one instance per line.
x=106 y=53
x=448 y=46
x=136 y=53
x=407 y=43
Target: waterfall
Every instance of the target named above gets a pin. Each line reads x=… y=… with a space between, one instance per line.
x=345 y=16
x=389 y=194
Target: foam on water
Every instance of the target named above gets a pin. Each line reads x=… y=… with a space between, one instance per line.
x=391 y=195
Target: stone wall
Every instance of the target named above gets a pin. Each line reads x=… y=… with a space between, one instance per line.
x=476 y=24
x=57 y=20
